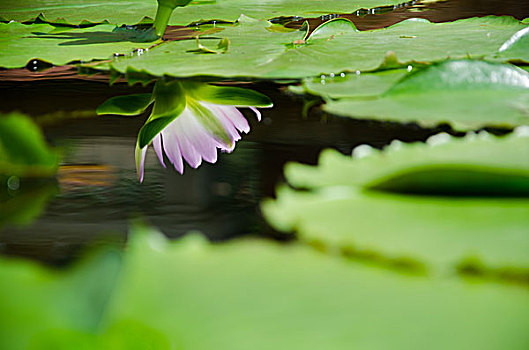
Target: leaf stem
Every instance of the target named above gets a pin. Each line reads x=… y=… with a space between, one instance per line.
x=163 y=13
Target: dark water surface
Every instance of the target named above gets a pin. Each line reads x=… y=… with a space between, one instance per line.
x=96 y=192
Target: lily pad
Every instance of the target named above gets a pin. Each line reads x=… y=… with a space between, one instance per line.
x=350 y=85
x=23 y=150
x=133 y=11
x=439 y=204
x=170 y=295
x=20 y=43
x=257 y=51
x=517 y=47
x=449 y=92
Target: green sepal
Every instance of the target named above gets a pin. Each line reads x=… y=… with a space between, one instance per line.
x=169 y=102
x=152 y=128
x=125 y=105
x=226 y=95
x=169 y=99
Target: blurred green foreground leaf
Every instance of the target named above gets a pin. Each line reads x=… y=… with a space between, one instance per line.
x=248 y=294
x=443 y=206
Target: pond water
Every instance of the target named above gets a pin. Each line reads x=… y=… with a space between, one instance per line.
x=97 y=194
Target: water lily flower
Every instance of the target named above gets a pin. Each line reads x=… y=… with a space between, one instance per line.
x=189 y=121
x=187 y=138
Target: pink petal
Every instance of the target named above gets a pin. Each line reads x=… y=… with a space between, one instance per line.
x=257 y=113
x=235 y=117
x=142 y=162
x=203 y=143
x=157 y=143
x=227 y=124
x=189 y=153
x=172 y=149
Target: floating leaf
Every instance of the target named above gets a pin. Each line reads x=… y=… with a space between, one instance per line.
x=132 y=11
x=517 y=47
x=351 y=85
x=171 y=294
x=438 y=204
x=256 y=51
x=21 y=43
x=23 y=150
x=450 y=92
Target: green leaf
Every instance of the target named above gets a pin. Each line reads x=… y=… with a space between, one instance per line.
x=171 y=294
x=226 y=95
x=23 y=150
x=438 y=204
x=21 y=43
x=328 y=30
x=256 y=51
x=125 y=105
x=450 y=92
x=132 y=11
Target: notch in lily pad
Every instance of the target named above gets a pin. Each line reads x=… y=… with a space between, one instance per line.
x=328 y=30
x=222 y=47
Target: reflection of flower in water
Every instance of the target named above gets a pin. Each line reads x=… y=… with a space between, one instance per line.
x=187 y=138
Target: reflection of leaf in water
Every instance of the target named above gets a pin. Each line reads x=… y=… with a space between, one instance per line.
x=23 y=205
x=23 y=150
